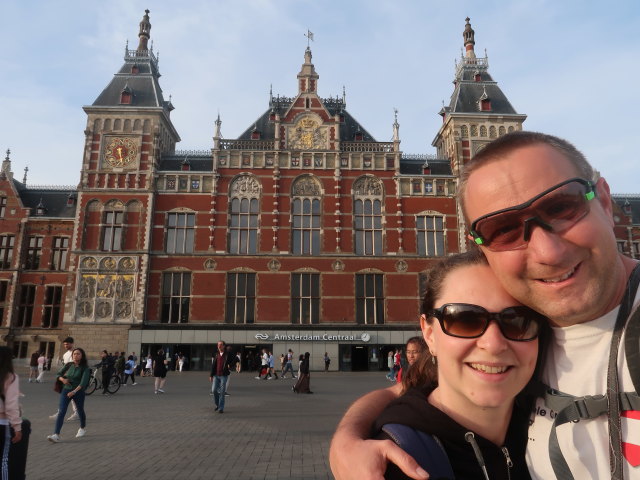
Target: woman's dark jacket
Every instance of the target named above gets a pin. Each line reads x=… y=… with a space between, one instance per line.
x=413 y=409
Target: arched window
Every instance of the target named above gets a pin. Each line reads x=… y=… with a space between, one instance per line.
x=367 y=213
x=244 y=196
x=305 y=216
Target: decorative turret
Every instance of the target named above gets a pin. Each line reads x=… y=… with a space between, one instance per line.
x=145 y=32
x=307 y=78
x=469 y=41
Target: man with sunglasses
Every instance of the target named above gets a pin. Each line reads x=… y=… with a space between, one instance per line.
x=544 y=222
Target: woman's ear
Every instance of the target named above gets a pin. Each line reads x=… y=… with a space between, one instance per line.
x=427 y=334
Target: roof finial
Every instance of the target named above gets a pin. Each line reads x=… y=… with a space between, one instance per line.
x=24 y=178
x=396 y=126
x=8 y=154
x=344 y=95
x=469 y=41
x=309 y=36
x=145 y=32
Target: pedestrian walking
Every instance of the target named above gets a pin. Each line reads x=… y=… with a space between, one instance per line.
x=67 y=345
x=75 y=378
x=106 y=367
x=304 y=378
x=42 y=361
x=391 y=376
x=272 y=366
x=129 y=371
x=160 y=371
x=13 y=440
x=221 y=365
x=288 y=367
x=33 y=366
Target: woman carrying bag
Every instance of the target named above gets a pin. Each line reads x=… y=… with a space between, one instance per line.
x=12 y=442
x=74 y=377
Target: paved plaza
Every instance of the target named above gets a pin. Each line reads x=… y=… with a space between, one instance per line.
x=266 y=431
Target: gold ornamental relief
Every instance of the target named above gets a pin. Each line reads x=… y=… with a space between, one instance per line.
x=307 y=134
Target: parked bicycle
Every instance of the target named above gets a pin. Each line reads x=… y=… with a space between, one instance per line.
x=95 y=382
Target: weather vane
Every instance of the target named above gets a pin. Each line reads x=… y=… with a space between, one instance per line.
x=309 y=36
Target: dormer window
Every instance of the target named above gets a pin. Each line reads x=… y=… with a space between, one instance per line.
x=134 y=69
x=485 y=105
x=125 y=97
x=186 y=165
x=477 y=77
x=255 y=134
x=40 y=209
x=71 y=200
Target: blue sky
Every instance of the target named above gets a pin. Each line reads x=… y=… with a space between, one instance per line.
x=570 y=66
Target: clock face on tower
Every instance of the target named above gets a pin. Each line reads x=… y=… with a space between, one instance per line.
x=120 y=151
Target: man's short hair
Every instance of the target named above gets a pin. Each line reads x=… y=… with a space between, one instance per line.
x=68 y=340
x=506 y=144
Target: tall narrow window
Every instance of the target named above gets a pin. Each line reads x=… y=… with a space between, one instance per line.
x=430 y=231
x=367 y=221
x=306 y=215
x=369 y=298
x=20 y=349
x=3 y=206
x=241 y=298
x=112 y=231
x=6 y=251
x=34 y=252
x=368 y=227
x=180 y=232
x=59 y=252
x=4 y=287
x=52 y=303
x=243 y=215
x=176 y=293
x=305 y=298
x=25 y=305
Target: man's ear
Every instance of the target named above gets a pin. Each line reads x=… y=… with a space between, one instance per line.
x=427 y=334
x=604 y=197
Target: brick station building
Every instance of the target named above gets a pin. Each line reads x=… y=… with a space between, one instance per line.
x=304 y=232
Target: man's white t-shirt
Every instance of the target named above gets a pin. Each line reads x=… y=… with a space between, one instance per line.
x=67 y=356
x=577 y=364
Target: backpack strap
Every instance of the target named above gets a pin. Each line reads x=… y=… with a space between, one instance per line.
x=632 y=348
x=426 y=449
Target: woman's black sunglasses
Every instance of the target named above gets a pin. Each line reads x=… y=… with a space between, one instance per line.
x=464 y=320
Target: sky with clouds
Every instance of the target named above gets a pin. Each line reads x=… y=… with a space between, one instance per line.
x=570 y=66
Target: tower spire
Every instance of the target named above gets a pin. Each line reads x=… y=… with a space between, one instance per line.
x=307 y=78
x=469 y=41
x=145 y=32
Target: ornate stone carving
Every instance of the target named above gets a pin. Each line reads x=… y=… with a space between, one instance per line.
x=85 y=309
x=367 y=186
x=106 y=286
x=89 y=263
x=108 y=263
x=337 y=266
x=123 y=310
x=210 y=264
x=127 y=263
x=306 y=186
x=103 y=309
x=245 y=186
x=274 y=265
x=401 y=266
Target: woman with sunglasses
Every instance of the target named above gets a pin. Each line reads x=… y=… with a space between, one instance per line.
x=478 y=363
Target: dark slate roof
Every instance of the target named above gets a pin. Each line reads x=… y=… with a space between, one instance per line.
x=414 y=165
x=197 y=162
x=54 y=200
x=348 y=128
x=633 y=200
x=468 y=91
x=143 y=85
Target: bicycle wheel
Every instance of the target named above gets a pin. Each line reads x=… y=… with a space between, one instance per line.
x=93 y=384
x=114 y=384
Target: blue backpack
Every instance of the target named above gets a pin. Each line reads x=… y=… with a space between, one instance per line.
x=424 y=448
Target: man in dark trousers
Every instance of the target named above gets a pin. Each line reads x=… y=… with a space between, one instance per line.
x=223 y=362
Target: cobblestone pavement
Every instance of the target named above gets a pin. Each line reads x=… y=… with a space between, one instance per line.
x=266 y=431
